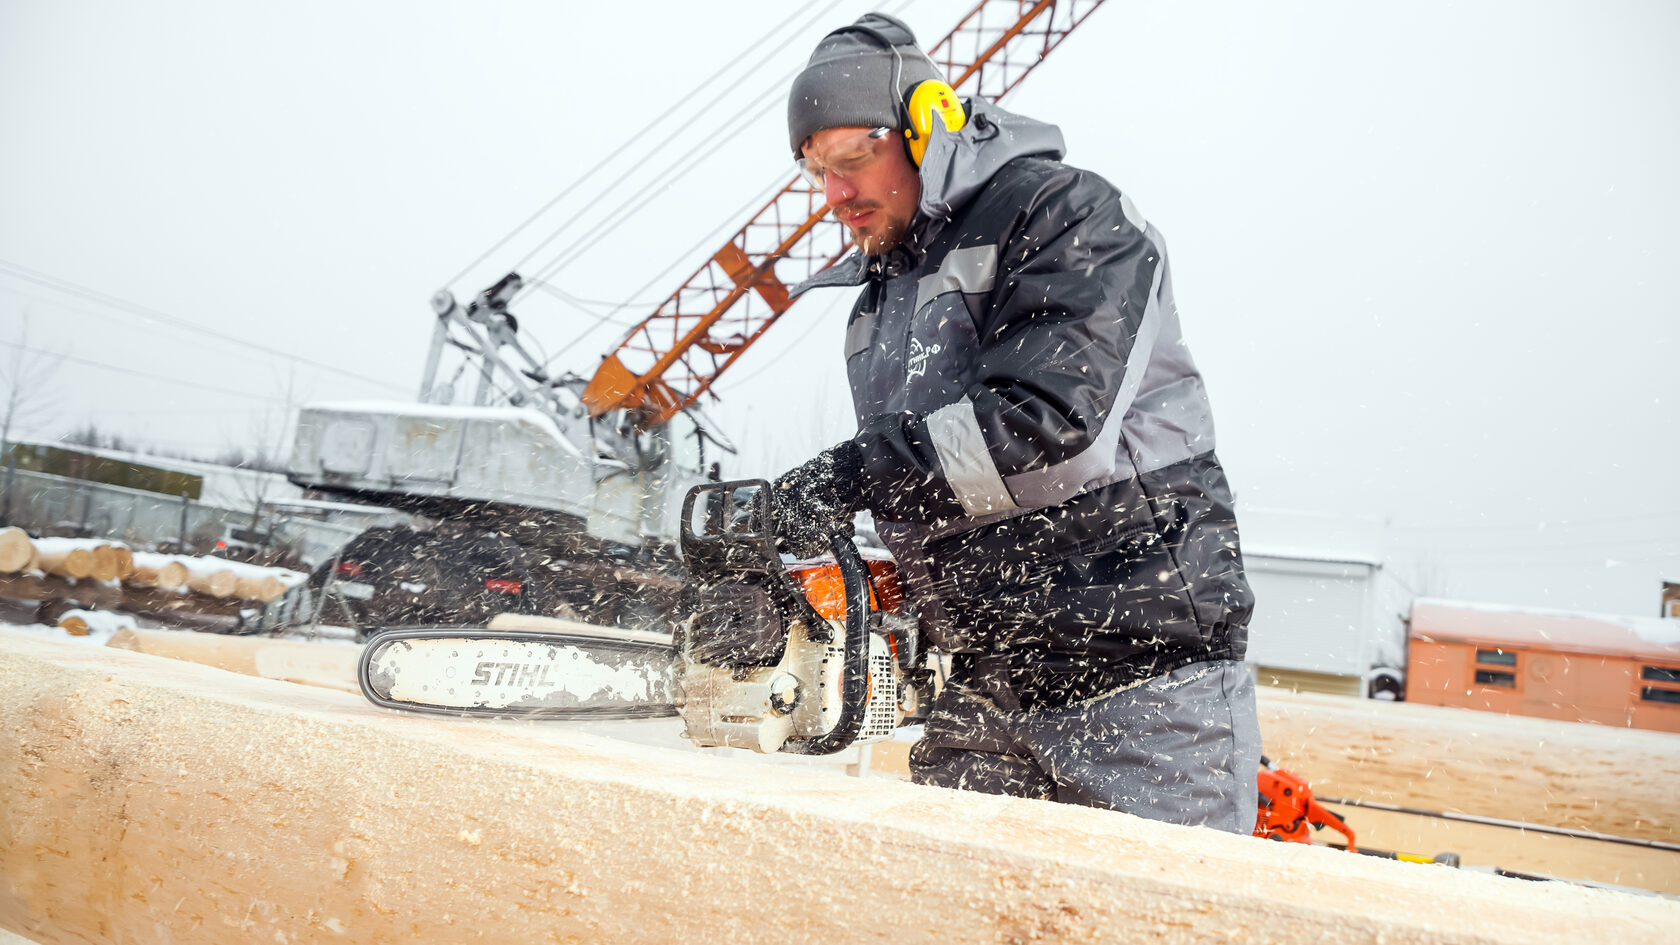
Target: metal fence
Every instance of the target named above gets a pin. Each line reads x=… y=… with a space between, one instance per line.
x=45 y=504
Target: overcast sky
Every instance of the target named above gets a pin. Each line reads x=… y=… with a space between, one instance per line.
x=1425 y=253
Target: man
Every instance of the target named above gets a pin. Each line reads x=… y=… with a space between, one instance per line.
x=1036 y=448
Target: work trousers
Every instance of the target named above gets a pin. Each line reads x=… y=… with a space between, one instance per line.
x=1182 y=747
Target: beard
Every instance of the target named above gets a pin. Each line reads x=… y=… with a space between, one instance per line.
x=880 y=233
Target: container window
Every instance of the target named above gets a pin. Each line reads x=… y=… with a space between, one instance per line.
x=1660 y=674
x=1488 y=677
x=1496 y=657
x=1653 y=694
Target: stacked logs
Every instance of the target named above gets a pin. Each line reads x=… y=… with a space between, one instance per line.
x=79 y=559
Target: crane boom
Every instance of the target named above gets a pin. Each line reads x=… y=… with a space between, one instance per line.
x=673 y=356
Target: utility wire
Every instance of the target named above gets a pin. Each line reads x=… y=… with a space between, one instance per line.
x=628 y=142
x=673 y=172
x=622 y=214
x=736 y=382
x=122 y=369
x=64 y=285
x=1536 y=526
x=615 y=218
x=704 y=241
x=1447 y=548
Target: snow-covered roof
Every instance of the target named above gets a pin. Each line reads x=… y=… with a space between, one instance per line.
x=398 y=408
x=1494 y=625
x=223 y=486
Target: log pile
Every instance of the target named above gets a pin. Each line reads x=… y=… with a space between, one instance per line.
x=79 y=559
x=17 y=552
x=242 y=820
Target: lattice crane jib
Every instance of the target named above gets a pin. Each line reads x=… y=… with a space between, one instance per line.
x=672 y=357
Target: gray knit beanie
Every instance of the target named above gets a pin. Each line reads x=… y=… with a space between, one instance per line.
x=849 y=80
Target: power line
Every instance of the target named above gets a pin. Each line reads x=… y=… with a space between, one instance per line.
x=635 y=203
x=1546 y=548
x=673 y=172
x=736 y=382
x=614 y=155
x=1575 y=564
x=1537 y=526
x=123 y=369
x=64 y=285
x=681 y=167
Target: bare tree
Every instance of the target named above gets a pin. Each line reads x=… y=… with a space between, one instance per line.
x=263 y=453
x=25 y=377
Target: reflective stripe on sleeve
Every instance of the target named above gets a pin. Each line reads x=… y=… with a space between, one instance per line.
x=968 y=466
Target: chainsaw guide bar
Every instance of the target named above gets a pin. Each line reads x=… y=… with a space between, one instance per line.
x=521 y=674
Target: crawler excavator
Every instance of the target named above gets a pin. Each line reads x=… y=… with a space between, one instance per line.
x=559 y=495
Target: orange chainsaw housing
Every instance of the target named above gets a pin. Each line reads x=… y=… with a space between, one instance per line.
x=826 y=590
x=1287 y=808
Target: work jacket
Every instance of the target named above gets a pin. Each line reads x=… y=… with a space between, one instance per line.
x=1037 y=444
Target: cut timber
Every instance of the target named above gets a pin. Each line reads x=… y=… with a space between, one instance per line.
x=17 y=552
x=1561 y=774
x=261 y=588
x=212 y=583
x=159 y=572
x=125 y=562
x=106 y=564
x=64 y=560
x=257 y=811
x=332 y=665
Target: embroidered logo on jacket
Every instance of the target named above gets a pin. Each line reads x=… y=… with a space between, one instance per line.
x=918 y=360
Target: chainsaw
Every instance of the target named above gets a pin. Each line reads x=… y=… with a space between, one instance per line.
x=800 y=657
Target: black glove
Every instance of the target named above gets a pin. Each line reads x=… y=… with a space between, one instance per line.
x=812 y=502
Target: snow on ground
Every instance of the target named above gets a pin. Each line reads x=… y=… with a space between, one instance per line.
x=95 y=637
x=109 y=623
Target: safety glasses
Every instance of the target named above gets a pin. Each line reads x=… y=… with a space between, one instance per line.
x=845 y=157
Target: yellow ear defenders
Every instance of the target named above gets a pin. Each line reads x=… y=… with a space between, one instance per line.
x=924 y=101
x=921 y=101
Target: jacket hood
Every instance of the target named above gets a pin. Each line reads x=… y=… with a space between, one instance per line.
x=955 y=168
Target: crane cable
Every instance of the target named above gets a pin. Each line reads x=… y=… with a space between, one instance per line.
x=616 y=152
x=710 y=237
x=673 y=172
x=622 y=213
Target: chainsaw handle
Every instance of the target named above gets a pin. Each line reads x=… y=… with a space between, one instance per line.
x=729 y=541
x=854 y=684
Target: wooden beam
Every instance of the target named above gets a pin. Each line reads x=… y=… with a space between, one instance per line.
x=1562 y=774
x=149 y=799
x=332 y=665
